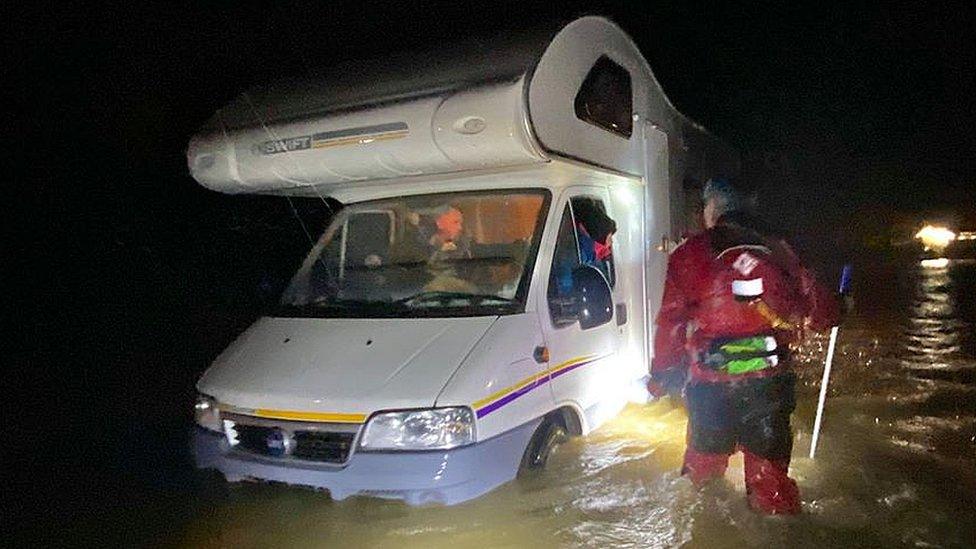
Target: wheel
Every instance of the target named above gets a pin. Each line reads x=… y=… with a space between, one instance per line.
x=548 y=435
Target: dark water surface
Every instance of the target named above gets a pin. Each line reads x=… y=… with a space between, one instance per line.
x=896 y=464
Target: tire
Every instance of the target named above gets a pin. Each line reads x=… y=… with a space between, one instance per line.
x=548 y=435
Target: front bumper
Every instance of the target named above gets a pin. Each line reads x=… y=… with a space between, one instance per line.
x=445 y=476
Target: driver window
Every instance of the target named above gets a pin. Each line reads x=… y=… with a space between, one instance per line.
x=565 y=258
x=595 y=230
x=584 y=222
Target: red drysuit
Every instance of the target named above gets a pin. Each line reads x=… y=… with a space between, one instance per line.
x=748 y=411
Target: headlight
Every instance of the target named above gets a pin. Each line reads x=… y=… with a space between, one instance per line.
x=206 y=414
x=433 y=429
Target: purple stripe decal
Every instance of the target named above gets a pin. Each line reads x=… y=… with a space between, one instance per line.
x=571 y=368
x=511 y=396
x=489 y=408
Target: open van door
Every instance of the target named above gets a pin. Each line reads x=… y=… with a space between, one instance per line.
x=657 y=222
x=582 y=353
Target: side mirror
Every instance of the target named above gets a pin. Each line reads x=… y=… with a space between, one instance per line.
x=593 y=297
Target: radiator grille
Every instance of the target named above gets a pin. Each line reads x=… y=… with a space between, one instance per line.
x=318 y=445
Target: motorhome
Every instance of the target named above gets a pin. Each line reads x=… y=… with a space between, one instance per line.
x=446 y=330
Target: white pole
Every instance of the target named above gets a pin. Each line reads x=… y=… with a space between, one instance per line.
x=823 y=390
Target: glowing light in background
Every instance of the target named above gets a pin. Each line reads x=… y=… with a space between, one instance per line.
x=933 y=237
x=940 y=263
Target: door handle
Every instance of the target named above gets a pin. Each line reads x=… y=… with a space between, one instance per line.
x=621 y=314
x=665 y=245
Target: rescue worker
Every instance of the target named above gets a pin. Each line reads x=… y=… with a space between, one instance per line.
x=735 y=297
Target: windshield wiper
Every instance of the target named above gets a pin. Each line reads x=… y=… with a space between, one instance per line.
x=444 y=297
x=334 y=303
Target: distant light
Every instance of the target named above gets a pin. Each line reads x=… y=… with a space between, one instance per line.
x=935 y=237
x=939 y=263
x=966 y=235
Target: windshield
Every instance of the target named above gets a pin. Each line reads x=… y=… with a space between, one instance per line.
x=454 y=254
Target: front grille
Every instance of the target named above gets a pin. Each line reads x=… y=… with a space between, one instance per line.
x=317 y=446
x=308 y=445
x=253 y=438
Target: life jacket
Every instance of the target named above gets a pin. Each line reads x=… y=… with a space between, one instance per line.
x=748 y=301
x=700 y=309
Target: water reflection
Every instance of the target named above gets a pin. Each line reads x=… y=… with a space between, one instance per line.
x=933 y=331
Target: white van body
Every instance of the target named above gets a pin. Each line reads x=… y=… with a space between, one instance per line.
x=508 y=132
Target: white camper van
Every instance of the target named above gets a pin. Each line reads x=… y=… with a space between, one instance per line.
x=445 y=330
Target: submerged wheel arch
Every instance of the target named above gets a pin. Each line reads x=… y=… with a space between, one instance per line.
x=571 y=418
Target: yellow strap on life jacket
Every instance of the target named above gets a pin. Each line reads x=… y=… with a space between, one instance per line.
x=770 y=315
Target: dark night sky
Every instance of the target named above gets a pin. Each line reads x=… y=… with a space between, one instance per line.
x=848 y=116
x=844 y=113
x=881 y=96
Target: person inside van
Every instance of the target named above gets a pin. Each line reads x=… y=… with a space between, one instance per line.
x=449 y=241
x=594 y=232
x=447 y=245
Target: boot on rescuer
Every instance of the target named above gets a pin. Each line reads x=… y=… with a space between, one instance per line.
x=736 y=296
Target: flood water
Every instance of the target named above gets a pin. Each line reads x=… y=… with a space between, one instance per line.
x=896 y=465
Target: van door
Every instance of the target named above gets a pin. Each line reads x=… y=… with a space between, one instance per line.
x=657 y=223
x=581 y=362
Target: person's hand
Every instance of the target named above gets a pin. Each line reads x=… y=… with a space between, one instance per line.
x=667 y=382
x=655 y=389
